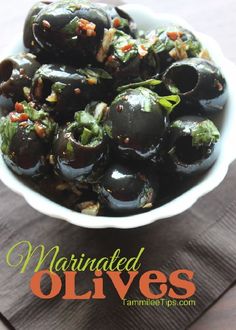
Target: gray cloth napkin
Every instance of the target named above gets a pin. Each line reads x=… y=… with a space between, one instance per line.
x=201 y=239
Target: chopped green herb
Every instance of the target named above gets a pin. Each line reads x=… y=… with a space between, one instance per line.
x=33 y=114
x=108 y=129
x=205 y=133
x=76 y=5
x=7 y=130
x=193 y=48
x=49 y=127
x=94 y=73
x=58 y=87
x=169 y=102
x=87 y=128
x=178 y=124
x=174 y=89
x=162 y=43
x=86 y=136
x=71 y=28
x=69 y=148
x=120 y=42
x=149 y=97
x=147 y=83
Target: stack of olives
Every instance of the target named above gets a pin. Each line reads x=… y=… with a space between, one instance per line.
x=117 y=118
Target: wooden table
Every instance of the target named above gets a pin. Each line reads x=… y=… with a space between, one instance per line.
x=216 y=18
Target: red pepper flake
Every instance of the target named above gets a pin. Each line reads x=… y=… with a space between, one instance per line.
x=126 y=48
x=119 y=108
x=40 y=130
x=77 y=91
x=46 y=24
x=23 y=117
x=111 y=58
x=22 y=71
x=18 y=117
x=174 y=35
x=19 y=107
x=116 y=22
x=87 y=27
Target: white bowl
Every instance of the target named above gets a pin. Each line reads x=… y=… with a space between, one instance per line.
x=146 y=20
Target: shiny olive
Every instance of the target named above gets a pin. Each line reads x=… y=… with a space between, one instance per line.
x=173 y=43
x=26 y=136
x=16 y=73
x=80 y=149
x=125 y=190
x=71 y=29
x=136 y=123
x=28 y=37
x=127 y=59
x=63 y=90
x=192 y=145
x=199 y=83
x=27 y=154
x=120 y=20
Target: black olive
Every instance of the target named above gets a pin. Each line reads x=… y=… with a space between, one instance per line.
x=28 y=37
x=127 y=59
x=199 y=83
x=80 y=149
x=6 y=105
x=120 y=20
x=26 y=140
x=16 y=73
x=192 y=145
x=71 y=29
x=136 y=123
x=63 y=90
x=173 y=43
x=125 y=190
x=26 y=153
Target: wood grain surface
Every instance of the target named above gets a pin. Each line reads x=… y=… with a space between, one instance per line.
x=215 y=18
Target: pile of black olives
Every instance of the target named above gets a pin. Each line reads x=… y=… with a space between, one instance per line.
x=106 y=119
